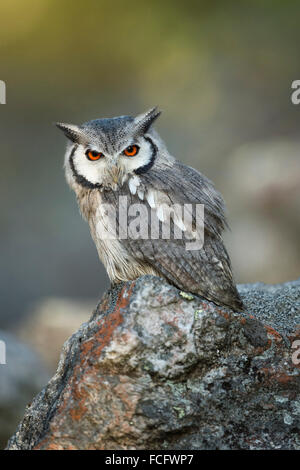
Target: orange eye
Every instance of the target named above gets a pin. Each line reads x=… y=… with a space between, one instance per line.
x=91 y=155
x=131 y=151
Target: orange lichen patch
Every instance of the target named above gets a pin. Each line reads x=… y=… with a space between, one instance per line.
x=277 y=336
x=52 y=444
x=107 y=326
x=122 y=423
x=269 y=343
x=260 y=349
x=266 y=371
x=85 y=374
x=223 y=314
x=80 y=394
x=87 y=346
x=284 y=378
x=40 y=445
x=112 y=321
x=276 y=375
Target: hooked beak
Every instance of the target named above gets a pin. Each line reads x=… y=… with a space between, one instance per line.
x=115 y=173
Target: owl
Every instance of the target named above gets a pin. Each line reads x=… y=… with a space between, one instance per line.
x=117 y=165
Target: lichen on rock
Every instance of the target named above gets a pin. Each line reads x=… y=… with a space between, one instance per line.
x=155 y=370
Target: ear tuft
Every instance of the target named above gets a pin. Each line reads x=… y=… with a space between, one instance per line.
x=71 y=131
x=145 y=120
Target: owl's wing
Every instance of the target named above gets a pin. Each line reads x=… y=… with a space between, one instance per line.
x=191 y=271
x=184 y=185
x=207 y=270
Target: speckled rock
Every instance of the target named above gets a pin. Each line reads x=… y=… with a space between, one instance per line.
x=155 y=368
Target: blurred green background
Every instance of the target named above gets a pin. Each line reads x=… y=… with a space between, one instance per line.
x=220 y=71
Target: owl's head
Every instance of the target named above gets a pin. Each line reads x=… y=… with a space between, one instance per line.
x=103 y=153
